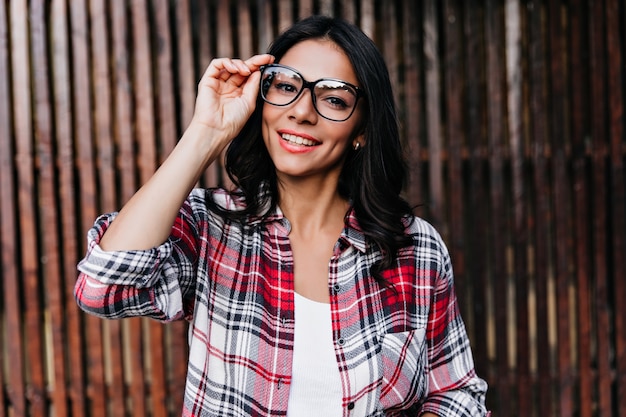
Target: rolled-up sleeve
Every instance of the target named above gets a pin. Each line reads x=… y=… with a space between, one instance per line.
x=156 y=283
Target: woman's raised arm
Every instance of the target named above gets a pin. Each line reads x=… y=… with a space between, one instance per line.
x=226 y=98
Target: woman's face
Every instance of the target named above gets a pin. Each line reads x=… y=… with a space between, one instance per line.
x=300 y=142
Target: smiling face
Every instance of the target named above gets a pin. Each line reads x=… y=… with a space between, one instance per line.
x=300 y=142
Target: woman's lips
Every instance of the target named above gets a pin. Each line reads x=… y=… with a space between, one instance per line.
x=298 y=140
x=297 y=143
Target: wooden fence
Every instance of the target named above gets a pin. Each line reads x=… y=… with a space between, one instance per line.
x=512 y=112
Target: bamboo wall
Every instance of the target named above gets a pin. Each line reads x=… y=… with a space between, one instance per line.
x=512 y=113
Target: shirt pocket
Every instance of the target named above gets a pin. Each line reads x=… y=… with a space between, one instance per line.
x=401 y=363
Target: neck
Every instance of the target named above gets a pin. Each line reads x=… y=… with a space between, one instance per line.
x=312 y=205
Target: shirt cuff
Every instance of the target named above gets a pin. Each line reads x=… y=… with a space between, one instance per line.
x=138 y=268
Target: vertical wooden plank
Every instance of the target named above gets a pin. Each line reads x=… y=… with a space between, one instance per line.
x=142 y=83
x=114 y=373
x=204 y=25
x=202 y=28
x=67 y=209
x=348 y=11
x=26 y=192
x=103 y=135
x=305 y=8
x=9 y=239
x=542 y=219
x=225 y=47
x=245 y=44
x=455 y=136
x=582 y=250
x=166 y=105
x=599 y=133
x=368 y=21
x=412 y=116
x=156 y=354
x=389 y=46
x=326 y=7
x=146 y=160
x=103 y=118
x=562 y=222
x=176 y=339
x=436 y=199
x=135 y=372
x=6 y=203
x=122 y=98
x=495 y=135
x=265 y=24
x=474 y=54
x=187 y=77
x=520 y=240
x=205 y=52
x=285 y=14
x=82 y=100
x=51 y=273
x=6 y=183
x=617 y=189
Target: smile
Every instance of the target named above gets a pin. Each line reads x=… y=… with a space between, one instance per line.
x=298 y=140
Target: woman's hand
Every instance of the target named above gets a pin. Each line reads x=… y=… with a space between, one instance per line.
x=227 y=94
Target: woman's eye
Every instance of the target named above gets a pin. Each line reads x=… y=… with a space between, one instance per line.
x=286 y=87
x=336 y=102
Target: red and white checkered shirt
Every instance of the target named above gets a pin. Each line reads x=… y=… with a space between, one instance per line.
x=401 y=349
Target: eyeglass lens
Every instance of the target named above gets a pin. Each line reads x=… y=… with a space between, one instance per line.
x=333 y=99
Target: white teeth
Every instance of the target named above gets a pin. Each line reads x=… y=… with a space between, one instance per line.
x=297 y=139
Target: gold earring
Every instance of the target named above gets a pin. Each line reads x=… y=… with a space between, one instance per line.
x=357 y=146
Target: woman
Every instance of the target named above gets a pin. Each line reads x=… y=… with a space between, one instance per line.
x=311 y=289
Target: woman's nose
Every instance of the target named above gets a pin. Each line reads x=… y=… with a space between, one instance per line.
x=303 y=110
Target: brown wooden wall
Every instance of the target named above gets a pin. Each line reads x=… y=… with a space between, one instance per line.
x=512 y=112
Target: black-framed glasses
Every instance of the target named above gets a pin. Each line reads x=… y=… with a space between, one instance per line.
x=332 y=99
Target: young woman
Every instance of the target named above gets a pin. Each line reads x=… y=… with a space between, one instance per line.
x=311 y=289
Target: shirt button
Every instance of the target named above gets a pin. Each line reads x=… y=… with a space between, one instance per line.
x=341 y=341
x=350 y=405
x=336 y=288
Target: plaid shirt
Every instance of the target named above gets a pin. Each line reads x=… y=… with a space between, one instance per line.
x=401 y=349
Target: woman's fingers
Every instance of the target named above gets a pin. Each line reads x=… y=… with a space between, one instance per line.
x=234 y=67
x=257 y=61
x=223 y=69
x=235 y=70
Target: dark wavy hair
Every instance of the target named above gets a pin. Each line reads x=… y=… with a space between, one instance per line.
x=372 y=177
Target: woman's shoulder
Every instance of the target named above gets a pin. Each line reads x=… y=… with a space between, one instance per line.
x=428 y=246
x=423 y=232
x=416 y=224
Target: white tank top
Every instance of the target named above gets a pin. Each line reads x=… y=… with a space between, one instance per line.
x=315 y=380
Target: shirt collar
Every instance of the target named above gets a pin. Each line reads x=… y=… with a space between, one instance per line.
x=267 y=215
x=352 y=233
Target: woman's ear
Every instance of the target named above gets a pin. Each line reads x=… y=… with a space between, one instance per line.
x=358 y=142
